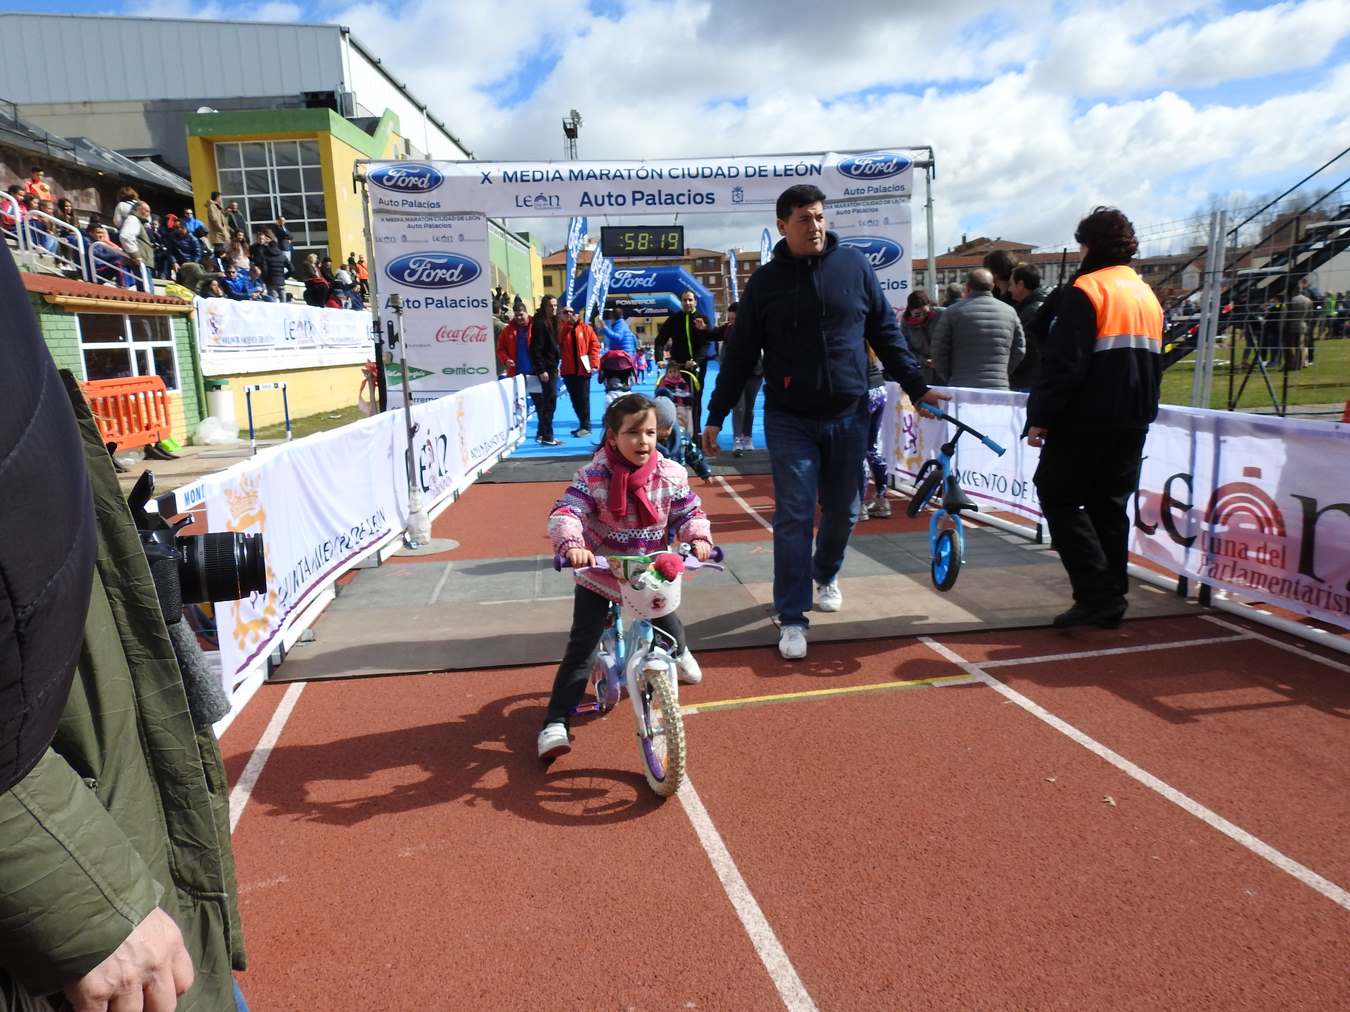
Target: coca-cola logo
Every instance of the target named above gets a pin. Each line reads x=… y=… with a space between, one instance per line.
x=474 y=333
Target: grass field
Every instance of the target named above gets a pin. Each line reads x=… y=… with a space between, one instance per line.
x=1327 y=381
x=310 y=424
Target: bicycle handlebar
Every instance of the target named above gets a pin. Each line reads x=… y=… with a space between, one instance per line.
x=943 y=416
x=602 y=561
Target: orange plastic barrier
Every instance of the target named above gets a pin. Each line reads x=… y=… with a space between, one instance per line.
x=130 y=412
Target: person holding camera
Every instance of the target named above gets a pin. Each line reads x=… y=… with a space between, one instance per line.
x=117 y=882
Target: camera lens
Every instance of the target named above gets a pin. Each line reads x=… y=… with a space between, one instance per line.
x=221 y=567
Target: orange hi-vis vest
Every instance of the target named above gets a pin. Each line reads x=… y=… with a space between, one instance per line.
x=1128 y=313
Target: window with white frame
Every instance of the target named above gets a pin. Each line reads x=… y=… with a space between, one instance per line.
x=277 y=178
x=115 y=347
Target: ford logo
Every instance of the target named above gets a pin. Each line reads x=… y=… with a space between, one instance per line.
x=877 y=165
x=407 y=177
x=433 y=270
x=622 y=279
x=880 y=252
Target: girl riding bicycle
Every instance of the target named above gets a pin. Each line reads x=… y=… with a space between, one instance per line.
x=626 y=501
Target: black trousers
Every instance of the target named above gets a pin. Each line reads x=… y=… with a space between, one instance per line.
x=1085 y=480
x=589 y=611
x=579 y=390
x=545 y=402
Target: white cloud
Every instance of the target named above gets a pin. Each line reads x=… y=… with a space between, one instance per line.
x=1035 y=112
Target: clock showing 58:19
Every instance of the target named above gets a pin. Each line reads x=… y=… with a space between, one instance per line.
x=642 y=240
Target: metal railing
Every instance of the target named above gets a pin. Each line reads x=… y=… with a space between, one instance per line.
x=51 y=236
x=11 y=220
x=45 y=234
x=107 y=262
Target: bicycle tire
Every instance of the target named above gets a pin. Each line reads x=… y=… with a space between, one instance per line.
x=661 y=742
x=923 y=493
x=946 y=564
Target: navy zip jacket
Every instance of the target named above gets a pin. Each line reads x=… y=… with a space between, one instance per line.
x=810 y=316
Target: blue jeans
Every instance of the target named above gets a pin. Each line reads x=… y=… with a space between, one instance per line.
x=813 y=460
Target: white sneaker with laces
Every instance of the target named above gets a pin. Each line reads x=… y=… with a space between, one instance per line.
x=792 y=643
x=829 y=597
x=687 y=669
x=554 y=740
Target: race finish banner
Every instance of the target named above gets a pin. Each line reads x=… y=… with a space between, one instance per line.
x=1252 y=505
x=565 y=189
x=430 y=230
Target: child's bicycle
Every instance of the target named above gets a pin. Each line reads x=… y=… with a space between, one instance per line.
x=946 y=541
x=636 y=657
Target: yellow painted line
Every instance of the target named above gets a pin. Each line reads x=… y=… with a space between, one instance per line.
x=786 y=697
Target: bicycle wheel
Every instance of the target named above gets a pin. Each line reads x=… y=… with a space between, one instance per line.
x=661 y=736
x=946 y=561
x=928 y=483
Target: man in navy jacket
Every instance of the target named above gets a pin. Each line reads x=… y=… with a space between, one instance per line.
x=811 y=311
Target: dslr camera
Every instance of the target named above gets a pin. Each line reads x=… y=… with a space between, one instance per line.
x=194 y=568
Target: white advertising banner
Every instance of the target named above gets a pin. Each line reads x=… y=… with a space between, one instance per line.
x=1254 y=505
x=655 y=186
x=438 y=264
x=882 y=232
x=999 y=484
x=323 y=502
x=236 y=337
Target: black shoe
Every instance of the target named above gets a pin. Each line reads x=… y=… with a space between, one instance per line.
x=1081 y=614
x=581 y=433
x=549 y=442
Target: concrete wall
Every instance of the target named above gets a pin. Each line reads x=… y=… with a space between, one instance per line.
x=148 y=125
x=309 y=391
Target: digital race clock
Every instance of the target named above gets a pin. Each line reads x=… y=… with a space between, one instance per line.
x=642 y=240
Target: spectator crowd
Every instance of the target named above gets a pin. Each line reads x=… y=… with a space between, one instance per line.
x=215 y=258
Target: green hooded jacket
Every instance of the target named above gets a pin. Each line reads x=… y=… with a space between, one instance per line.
x=128 y=809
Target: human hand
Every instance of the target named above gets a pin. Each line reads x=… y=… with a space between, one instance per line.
x=543 y=377
x=700 y=323
x=710 y=433
x=702 y=550
x=149 y=971
x=1036 y=435
x=933 y=399
x=580 y=558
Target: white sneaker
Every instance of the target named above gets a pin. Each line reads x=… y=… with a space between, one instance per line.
x=554 y=741
x=792 y=643
x=829 y=597
x=687 y=669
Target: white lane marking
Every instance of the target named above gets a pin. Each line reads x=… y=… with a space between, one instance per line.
x=767 y=946
x=1212 y=819
x=440 y=584
x=1111 y=651
x=243 y=790
x=743 y=504
x=1280 y=643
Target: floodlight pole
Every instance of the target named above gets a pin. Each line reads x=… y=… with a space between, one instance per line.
x=571 y=128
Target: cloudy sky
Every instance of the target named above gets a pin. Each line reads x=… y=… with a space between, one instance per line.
x=1036 y=110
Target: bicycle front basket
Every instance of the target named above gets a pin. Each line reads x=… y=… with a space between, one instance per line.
x=648 y=596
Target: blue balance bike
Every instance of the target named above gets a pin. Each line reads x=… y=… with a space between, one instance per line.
x=946 y=541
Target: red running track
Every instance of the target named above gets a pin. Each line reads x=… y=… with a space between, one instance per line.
x=907 y=846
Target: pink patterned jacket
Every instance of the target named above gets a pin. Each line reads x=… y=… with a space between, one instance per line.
x=580 y=519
